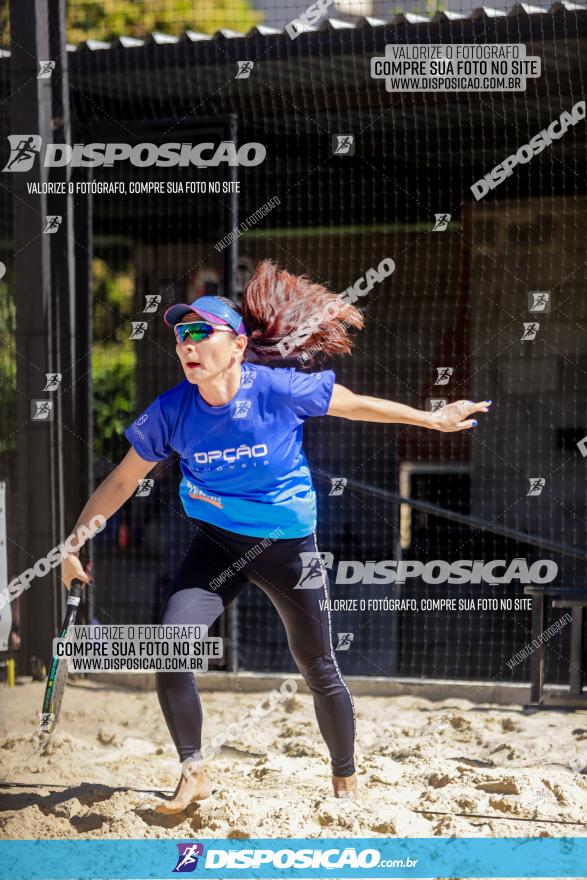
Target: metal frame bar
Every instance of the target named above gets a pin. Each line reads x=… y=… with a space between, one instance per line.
x=562 y=597
x=47 y=478
x=83 y=415
x=471 y=521
x=6 y=612
x=36 y=476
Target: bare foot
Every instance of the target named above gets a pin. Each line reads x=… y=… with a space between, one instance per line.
x=346 y=787
x=194 y=787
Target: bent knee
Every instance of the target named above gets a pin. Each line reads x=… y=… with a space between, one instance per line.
x=321 y=673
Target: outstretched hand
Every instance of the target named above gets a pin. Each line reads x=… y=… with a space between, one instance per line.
x=455 y=416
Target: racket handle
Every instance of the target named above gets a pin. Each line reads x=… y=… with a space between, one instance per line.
x=75 y=592
x=76 y=587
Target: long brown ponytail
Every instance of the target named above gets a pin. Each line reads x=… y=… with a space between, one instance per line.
x=289 y=316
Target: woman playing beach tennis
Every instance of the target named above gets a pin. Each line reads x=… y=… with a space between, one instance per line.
x=236 y=424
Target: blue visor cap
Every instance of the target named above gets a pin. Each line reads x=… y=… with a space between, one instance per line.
x=210 y=308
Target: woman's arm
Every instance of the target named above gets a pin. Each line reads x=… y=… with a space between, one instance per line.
x=359 y=407
x=111 y=494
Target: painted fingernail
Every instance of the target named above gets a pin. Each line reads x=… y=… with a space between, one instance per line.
x=489 y=401
x=474 y=424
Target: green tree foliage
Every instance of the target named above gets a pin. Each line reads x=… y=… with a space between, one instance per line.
x=113 y=357
x=113 y=286
x=424 y=7
x=113 y=375
x=113 y=363
x=107 y=19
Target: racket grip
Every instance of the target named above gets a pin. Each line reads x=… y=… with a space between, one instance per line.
x=76 y=587
x=75 y=592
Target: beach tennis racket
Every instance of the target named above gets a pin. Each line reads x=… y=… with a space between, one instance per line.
x=58 y=670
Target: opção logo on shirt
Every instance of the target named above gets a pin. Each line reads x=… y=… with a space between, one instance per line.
x=232 y=453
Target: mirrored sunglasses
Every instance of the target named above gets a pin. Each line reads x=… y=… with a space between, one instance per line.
x=197 y=330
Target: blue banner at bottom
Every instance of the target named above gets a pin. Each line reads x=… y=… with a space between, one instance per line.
x=299 y=858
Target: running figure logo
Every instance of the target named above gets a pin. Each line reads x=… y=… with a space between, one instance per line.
x=244 y=69
x=344 y=641
x=537 y=484
x=152 y=302
x=312 y=574
x=441 y=222
x=145 y=487
x=530 y=331
x=42 y=410
x=23 y=149
x=444 y=374
x=343 y=144
x=539 y=798
x=138 y=329
x=435 y=404
x=187 y=860
x=539 y=301
x=53 y=222
x=337 y=485
x=46 y=68
x=242 y=409
x=52 y=381
x=247 y=379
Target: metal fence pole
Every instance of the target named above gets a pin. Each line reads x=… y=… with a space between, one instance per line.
x=230 y=221
x=30 y=113
x=62 y=288
x=44 y=297
x=6 y=612
x=229 y=263
x=83 y=392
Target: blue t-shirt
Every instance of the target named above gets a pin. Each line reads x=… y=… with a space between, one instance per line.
x=242 y=463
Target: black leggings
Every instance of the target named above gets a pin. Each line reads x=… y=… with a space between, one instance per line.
x=206 y=582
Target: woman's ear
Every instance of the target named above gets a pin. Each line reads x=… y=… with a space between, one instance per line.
x=241 y=346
